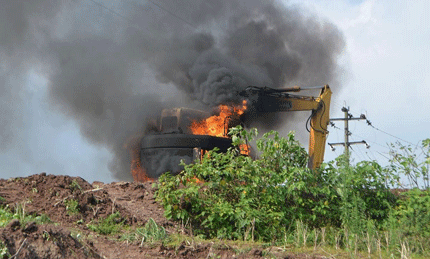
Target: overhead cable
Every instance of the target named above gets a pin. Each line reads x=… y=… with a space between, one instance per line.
x=370 y=124
x=110 y=10
x=172 y=13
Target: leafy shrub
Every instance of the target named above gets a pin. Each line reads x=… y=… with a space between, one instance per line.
x=411 y=162
x=276 y=198
x=413 y=212
x=249 y=199
x=363 y=192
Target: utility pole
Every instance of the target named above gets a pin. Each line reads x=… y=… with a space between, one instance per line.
x=347 y=143
x=347 y=133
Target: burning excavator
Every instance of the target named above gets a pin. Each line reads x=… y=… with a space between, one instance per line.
x=186 y=134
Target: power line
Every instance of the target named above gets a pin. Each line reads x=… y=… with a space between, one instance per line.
x=336 y=153
x=358 y=155
x=361 y=153
x=383 y=155
x=110 y=10
x=334 y=125
x=370 y=141
x=374 y=157
x=173 y=14
x=131 y=21
x=339 y=106
x=370 y=124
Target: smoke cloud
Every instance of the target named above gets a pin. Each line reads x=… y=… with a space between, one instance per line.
x=112 y=65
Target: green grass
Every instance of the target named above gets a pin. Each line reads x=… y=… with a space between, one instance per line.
x=19 y=213
x=112 y=224
x=72 y=206
x=150 y=233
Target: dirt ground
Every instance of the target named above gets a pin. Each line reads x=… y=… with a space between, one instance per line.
x=68 y=236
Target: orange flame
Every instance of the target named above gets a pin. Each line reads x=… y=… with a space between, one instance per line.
x=216 y=125
x=138 y=173
x=245 y=149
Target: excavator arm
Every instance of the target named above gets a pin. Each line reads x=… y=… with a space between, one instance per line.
x=277 y=100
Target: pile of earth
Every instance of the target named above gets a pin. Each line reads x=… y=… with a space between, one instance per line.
x=68 y=236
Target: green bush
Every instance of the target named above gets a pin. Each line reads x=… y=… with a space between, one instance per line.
x=362 y=192
x=249 y=199
x=277 y=198
x=413 y=212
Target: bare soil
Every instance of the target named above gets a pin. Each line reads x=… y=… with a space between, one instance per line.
x=68 y=236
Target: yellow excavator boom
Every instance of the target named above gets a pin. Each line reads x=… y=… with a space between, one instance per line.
x=319 y=124
x=278 y=100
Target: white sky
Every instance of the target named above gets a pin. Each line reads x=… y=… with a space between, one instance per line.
x=386 y=62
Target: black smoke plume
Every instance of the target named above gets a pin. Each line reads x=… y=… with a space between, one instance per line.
x=112 y=65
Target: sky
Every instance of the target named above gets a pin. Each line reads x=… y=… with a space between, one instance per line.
x=385 y=75
x=387 y=65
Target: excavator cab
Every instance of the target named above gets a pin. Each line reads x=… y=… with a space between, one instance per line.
x=163 y=151
x=178 y=120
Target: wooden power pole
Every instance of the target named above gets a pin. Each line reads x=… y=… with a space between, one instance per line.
x=347 y=133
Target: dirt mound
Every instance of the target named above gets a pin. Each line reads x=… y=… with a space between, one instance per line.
x=43 y=241
x=73 y=205
x=72 y=199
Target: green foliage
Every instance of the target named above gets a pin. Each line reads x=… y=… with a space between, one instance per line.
x=6 y=215
x=72 y=206
x=4 y=252
x=24 y=218
x=413 y=212
x=74 y=186
x=412 y=162
x=362 y=190
x=276 y=198
x=249 y=199
x=112 y=224
x=151 y=232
